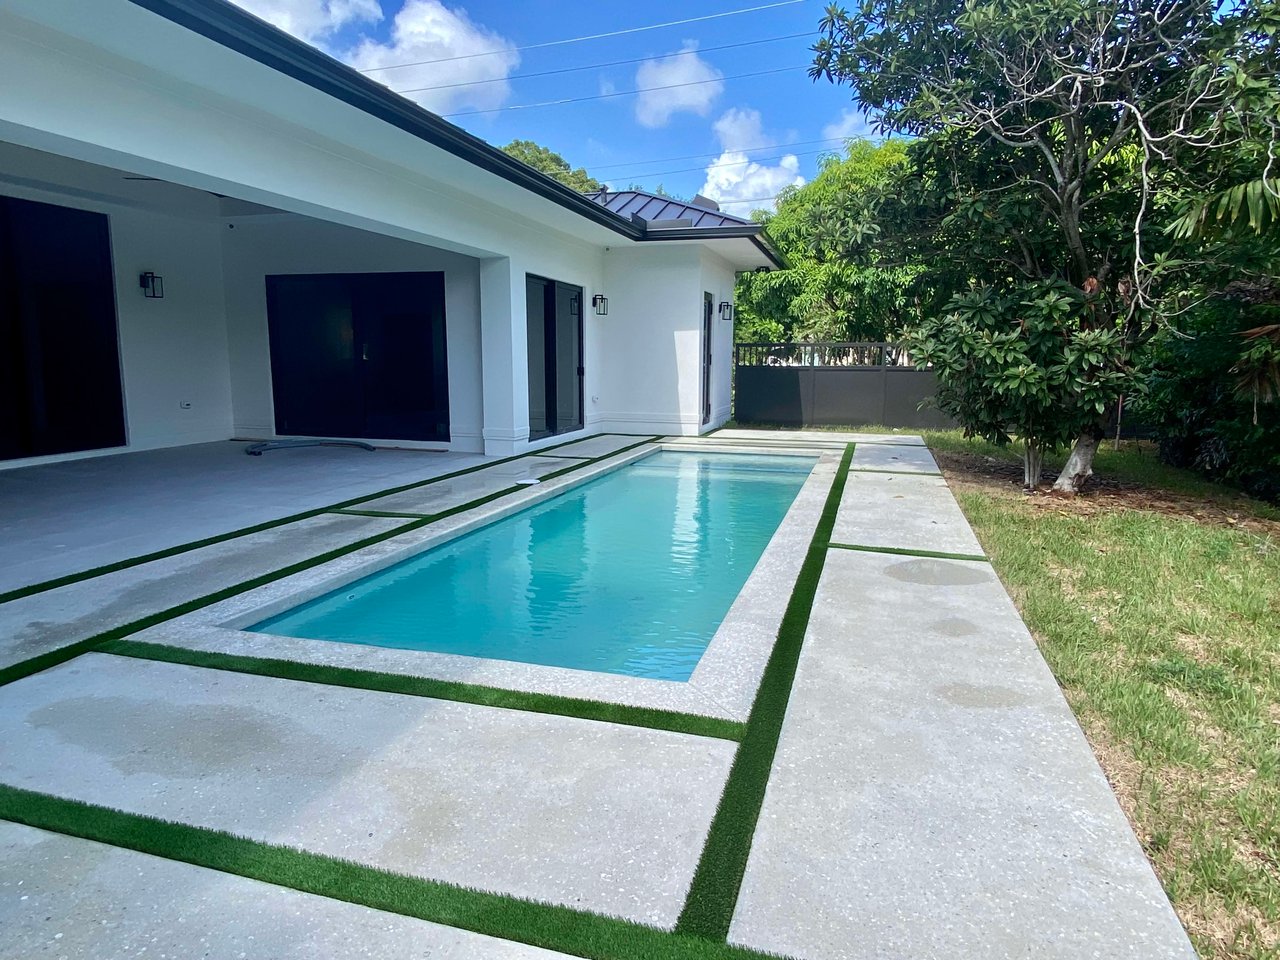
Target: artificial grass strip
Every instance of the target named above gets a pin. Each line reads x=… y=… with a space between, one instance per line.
x=713 y=895
x=52 y=658
x=905 y=552
x=382 y=513
x=551 y=927
x=434 y=689
x=52 y=584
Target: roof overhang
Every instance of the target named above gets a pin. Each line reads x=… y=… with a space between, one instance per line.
x=751 y=232
x=245 y=34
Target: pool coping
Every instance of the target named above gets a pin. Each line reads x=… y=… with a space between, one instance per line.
x=723 y=685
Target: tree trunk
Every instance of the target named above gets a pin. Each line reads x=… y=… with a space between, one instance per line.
x=1079 y=466
x=1032 y=461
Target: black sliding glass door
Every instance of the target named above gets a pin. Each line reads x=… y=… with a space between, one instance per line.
x=708 y=311
x=60 y=388
x=359 y=355
x=555 y=357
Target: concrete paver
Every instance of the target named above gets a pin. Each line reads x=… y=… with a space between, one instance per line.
x=46 y=621
x=932 y=794
x=842 y=436
x=904 y=512
x=71 y=899
x=447 y=494
x=597 y=446
x=591 y=815
x=900 y=458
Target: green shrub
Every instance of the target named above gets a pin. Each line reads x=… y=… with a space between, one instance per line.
x=1203 y=402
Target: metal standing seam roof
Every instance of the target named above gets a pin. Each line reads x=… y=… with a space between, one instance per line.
x=653 y=207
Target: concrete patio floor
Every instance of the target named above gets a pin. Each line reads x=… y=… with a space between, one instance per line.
x=931 y=794
x=61 y=518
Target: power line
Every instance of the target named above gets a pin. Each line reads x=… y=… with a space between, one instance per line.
x=595 y=36
x=596 y=66
x=735 y=163
x=697 y=156
x=752 y=200
x=621 y=93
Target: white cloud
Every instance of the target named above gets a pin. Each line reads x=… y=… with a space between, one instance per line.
x=313 y=20
x=428 y=30
x=741 y=129
x=852 y=123
x=741 y=185
x=703 y=84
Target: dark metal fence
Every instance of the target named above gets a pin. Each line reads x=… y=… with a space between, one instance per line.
x=834 y=354
x=833 y=384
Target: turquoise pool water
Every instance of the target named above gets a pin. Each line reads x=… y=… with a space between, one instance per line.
x=630 y=573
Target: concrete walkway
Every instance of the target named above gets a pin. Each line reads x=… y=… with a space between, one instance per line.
x=932 y=795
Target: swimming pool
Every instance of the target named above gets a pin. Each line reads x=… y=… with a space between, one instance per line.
x=630 y=573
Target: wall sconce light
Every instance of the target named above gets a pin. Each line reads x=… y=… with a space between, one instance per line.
x=601 y=305
x=726 y=310
x=152 y=286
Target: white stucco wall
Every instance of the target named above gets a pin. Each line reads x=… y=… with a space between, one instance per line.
x=718 y=278
x=648 y=357
x=255 y=247
x=504 y=333
x=172 y=349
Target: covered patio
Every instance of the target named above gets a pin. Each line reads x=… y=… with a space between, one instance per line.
x=290 y=249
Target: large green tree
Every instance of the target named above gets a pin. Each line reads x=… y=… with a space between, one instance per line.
x=552 y=164
x=1053 y=139
x=824 y=295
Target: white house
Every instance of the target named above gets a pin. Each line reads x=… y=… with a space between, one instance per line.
x=209 y=229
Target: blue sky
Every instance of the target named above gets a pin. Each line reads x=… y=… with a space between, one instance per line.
x=774 y=121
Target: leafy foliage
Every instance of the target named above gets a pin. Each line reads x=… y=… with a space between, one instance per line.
x=552 y=164
x=1207 y=415
x=825 y=295
x=1029 y=362
x=1254 y=204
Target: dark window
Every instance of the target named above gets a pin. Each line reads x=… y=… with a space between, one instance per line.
x=708 y=305
x=555 y=357
x=59 y=352
x=359 y=355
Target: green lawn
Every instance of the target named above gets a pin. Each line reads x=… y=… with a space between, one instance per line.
x=1156 y=601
